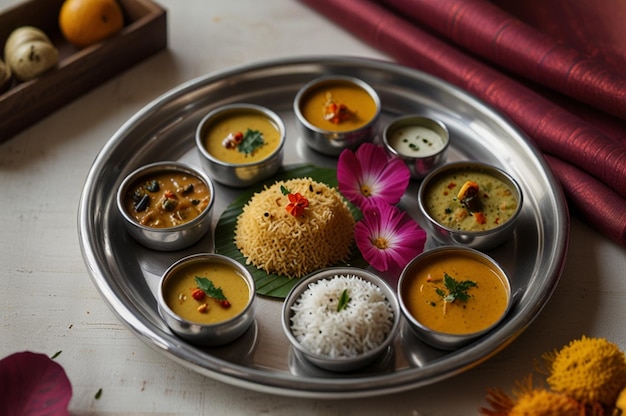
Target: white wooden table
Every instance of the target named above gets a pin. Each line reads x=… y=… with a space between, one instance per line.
x=48 y=302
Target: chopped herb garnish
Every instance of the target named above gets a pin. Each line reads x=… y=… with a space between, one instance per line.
x=56 y=354
x=209 y=288
x=342 y=303
x=98 y=393
x=455 y=289
x=252 y=140
x=284 y=190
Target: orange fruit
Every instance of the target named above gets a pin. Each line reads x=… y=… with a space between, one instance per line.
x=85 y=22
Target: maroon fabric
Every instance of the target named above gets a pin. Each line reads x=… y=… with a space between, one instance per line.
x=609 y=217
x=571 y=105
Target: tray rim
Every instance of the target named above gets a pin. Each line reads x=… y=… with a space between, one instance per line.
x=237 y=375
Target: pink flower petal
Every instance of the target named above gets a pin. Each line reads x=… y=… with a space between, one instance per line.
x=370 y=167
x=372 y=157
x=392 y=182
x=403 y=236
x=33 y=384
x=349 y=177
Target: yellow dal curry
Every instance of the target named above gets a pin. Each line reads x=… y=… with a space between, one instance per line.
x=223 y=127
x=486 y=304
x=360 y=106
x=179 y=287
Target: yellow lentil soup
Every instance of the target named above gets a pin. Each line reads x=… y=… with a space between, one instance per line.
x=497 y=202
x=241 y=136
x=338 y=106
x=181 y=295
x=470 y=308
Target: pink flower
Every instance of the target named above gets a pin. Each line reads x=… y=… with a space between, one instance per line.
x=387 y=237
x=33 y=384
x=369 y=174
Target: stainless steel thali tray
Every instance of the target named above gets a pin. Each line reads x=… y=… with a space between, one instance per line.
x=126 y=274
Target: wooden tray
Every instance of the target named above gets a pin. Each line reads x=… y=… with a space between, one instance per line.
x=78 y=70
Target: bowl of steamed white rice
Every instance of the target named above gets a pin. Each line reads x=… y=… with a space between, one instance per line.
x=341 y=318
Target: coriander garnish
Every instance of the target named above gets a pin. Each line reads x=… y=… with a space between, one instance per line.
x=209 y=288
x=252 y=140
x=455 y=289
x=342 y=303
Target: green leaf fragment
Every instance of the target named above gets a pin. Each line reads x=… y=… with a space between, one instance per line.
x=209 y=288
x=455 y=289
x=252 y=140
x=342 y=303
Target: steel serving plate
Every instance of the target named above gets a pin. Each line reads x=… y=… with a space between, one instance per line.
x=127 y=274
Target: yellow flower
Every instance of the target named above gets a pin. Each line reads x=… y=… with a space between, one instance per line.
x=533 y=401
x=590 y=370
x=621 y=401
x=541 y=402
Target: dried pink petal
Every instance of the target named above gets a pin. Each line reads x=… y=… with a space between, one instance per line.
x=33 y=384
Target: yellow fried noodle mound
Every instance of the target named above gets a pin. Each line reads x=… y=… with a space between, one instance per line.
x=591 y=370
x=274 y=240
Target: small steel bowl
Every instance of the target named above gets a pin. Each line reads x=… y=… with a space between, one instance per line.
x=239 y=175
x=170 y=238
x=444 y=234
x=417 y=267
x=204 y=334
x=340 y=364
x=421 y=142
x=326 y=138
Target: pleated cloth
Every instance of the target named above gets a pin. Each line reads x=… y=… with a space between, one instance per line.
x=556 y=68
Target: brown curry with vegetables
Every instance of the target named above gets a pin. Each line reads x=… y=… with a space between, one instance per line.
x=167 y=199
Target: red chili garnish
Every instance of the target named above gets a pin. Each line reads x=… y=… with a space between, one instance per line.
x=232 y=140
x=224 y=303
x=451 y=185
x=169 y=194
x=238 y=137
x=336 y=113
x=198 y=294
x=297 y=204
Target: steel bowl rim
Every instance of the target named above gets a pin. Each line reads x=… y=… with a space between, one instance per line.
x=330 y=272
x=164 y=166
x=437 y=251
x=195 y=258
x=406 y=117
x=476 y=165
x=272 y=115
x=336 y=135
